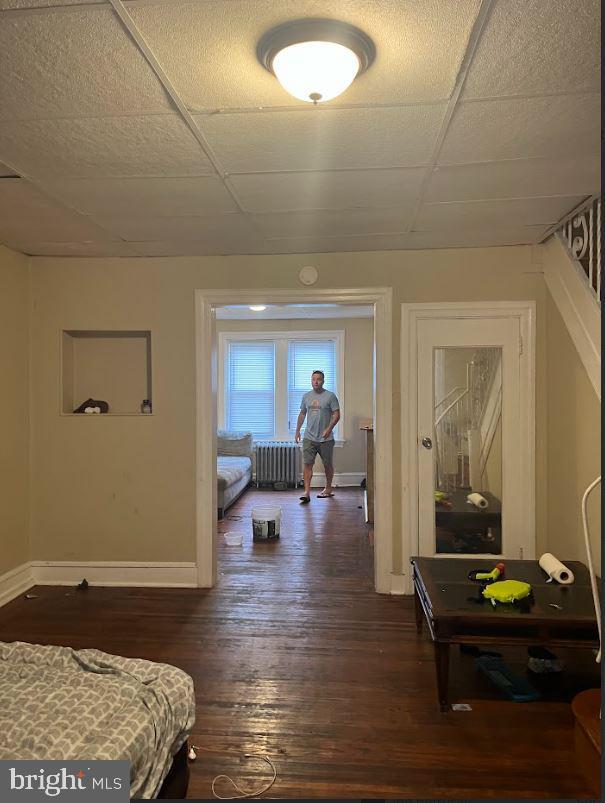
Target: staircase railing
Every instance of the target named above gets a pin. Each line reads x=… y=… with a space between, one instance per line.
x=580 y=233
x=458 y=417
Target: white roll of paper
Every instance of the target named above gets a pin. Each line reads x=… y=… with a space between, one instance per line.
x=477 y=500
x=555 y=569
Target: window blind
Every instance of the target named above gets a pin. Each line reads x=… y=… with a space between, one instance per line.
x=250 y=388
x=304 y=357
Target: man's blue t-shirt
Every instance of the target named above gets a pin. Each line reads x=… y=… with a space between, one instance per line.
x=319 y=408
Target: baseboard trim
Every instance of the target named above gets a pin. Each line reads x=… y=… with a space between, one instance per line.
x=115 y=573
x=400 y=585
x=343 y=480
x=14 y=582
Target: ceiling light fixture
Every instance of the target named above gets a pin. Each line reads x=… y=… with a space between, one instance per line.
x=316 y=59
x=258 y=308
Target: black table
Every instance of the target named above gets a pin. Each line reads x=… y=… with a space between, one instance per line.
x=457 y=614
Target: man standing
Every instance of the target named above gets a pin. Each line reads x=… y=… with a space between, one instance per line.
x=322 y=410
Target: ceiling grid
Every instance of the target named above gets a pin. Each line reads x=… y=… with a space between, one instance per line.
x=148 y=127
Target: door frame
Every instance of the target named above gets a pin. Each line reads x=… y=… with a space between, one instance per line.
x=411 y=314
x=206 y=414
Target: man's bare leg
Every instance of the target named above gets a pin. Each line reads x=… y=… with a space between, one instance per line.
x=329 y=470
x=307 y=476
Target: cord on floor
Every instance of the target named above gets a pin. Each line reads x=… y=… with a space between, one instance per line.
x=242 y=792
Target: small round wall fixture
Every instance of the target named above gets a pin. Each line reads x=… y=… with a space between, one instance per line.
x=316 y=59
x=308 y=275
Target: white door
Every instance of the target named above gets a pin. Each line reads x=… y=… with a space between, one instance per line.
x=474 y=496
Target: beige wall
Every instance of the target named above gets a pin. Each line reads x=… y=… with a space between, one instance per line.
x=573 y=441
x=112 y=488
x=359 y=343
x=14 y=410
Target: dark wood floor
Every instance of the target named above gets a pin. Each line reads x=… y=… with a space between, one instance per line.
x=293 y=654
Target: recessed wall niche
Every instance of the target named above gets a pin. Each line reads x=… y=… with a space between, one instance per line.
x=111 y=366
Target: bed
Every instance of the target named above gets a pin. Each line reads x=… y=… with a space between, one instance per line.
x=233 y=467
x=61 y=703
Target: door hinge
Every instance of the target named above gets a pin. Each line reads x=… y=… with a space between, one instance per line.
x=521 y=553
x=520 y=345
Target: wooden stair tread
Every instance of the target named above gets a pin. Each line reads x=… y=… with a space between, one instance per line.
x=586 y=706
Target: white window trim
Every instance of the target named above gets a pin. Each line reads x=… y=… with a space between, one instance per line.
x=281 y=369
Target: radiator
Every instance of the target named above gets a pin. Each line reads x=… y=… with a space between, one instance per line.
x=277 y=461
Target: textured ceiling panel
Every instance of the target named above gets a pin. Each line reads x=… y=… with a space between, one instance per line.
x=320 y=139
x=27 y=215
x=520 y=235
x=80 y=62
x=514 y=178
x=6 y=171
x=190 y=227
x=521 y=51
x=80 y=249
x=476 y=238
x=522 y=128
x=317 y=245
x=6 y=5
x=473 y=215
x=324 y=224
x=144 y=196
x=280 y=192
x=209 y=48
x=207 y=247
x=154 y=145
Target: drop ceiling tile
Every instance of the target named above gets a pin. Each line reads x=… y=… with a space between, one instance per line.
x=334 y=223
x=472 y=215
x=82 y=249
x=145 y=196
x=211 y=246
x=234 y=226
x=577 y=174
x=537 y=47
x=319 y=139
x=27 y=215
x=483 y=237
x=523 y=128
x=280 y=192
x=152 y=145
x=8 y=5
x=6 y=171
x=209 y=48
x=328 y=245
x=79 y=62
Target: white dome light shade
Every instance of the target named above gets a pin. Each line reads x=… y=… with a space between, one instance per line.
x=315 y=71
x=315 y=59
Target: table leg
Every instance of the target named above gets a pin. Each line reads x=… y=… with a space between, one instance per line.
x=442 y=665
x=419 y=611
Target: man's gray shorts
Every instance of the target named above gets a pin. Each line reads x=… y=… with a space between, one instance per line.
x=310 y=448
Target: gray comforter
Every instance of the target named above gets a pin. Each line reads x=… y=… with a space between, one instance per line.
x=60 y=703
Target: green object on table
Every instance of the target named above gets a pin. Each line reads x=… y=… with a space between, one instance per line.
x=507 y=591
x=493 y=575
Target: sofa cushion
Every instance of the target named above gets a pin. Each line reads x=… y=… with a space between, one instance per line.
x=233 y=443
x=230 y=469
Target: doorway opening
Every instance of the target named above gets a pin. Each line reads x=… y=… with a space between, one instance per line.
x=229 y=336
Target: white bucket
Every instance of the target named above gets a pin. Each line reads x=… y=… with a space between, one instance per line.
x=265 y=523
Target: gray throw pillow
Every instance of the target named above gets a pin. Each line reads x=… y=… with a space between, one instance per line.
x=233 y=443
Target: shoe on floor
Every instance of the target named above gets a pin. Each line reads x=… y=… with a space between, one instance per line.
x=304 y=500
x=324 y=496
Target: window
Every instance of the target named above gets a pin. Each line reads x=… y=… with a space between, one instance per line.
x=263 y=376
x=251 y=388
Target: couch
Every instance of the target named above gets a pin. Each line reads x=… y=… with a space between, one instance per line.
x=233 y=467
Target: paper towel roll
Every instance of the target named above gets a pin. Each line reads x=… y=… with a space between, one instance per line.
x=477 y=500
x=555 y=569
